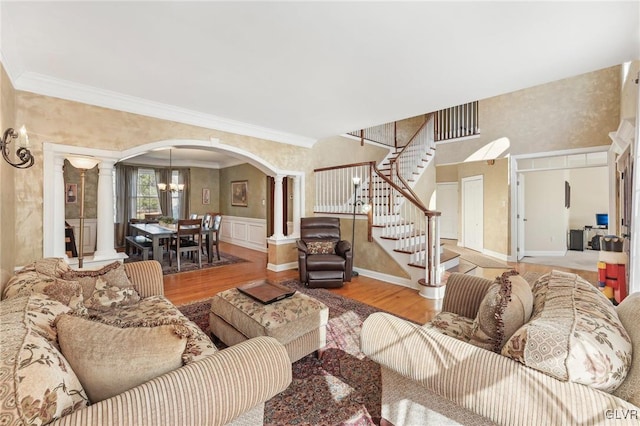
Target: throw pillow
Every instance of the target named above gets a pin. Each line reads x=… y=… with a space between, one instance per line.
x=504 y=309
x=50 y=266
x=321 y=247
x=106 y=296
x=574 y=335
x=65 y=292
x=37 y=384
x=110 y=360
x=113 y=273
x=42 y=313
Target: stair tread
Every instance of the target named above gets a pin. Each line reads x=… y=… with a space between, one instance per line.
x=447 y=255
x=463 y=267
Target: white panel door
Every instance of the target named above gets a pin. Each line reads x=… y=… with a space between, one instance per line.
x=520 y=216
x=473 y=213
x=447 y=205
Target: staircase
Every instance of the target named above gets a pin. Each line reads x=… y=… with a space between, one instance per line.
x=397 y=218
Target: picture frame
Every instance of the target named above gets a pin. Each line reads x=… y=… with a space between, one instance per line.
x=71 y=193
x=206 y=196
x=239 y=193
x=567 y=195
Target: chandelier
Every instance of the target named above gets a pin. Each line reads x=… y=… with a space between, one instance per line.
x=172 y=187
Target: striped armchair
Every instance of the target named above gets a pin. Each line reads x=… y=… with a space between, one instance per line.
x=435 y=377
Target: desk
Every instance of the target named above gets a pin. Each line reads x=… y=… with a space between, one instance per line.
x=592 y=231
x=155 y=232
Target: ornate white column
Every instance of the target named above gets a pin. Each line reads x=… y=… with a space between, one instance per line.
x=296 y=206
x=105 y=227
x=278 y=214
x=58 y=220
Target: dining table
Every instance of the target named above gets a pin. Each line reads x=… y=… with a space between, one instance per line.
x=156 y=232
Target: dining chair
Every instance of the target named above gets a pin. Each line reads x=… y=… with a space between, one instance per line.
x=216 y=222
x=184 y=242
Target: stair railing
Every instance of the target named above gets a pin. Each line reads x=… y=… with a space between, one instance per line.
x=401 y=214
x=413 y=156
x=457 y=122
x=384 y=134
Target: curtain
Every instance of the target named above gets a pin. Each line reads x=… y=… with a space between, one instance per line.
x=125 y=194
x=162 y=176
x=184 y=176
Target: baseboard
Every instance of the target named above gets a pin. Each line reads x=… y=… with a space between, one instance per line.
x=404 y=282
x=495 y=254
x=283 y=267
x=550 y=253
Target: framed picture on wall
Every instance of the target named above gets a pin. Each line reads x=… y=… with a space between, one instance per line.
x=239 y=193
x=71 y=193
x=206 y=196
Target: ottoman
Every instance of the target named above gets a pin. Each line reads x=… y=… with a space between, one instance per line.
x=298 y=322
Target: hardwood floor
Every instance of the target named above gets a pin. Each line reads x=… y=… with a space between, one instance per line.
x=197 y=285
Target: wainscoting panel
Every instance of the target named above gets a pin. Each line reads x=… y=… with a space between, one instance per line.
x=90 y=233
x=244 y=231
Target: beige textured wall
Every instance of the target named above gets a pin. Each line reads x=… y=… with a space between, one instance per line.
x=66 y=122
x=566 y=114
x=204 y=178
x=256 y=191
x=7 y=177
x=496 y=199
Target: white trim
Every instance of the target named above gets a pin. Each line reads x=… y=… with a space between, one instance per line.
x=513 y=192
x=288 y=239
x=391 y=279
x=464 y=138
x=49 y=86
x=495 y=254
x=283 y=267
x=549 y=253
x=430 y=292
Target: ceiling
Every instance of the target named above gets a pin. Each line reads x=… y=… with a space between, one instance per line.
x=297 y=72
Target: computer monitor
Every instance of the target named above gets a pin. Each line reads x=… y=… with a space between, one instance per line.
x=602 y=219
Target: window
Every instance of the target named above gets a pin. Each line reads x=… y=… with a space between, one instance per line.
x=147 y=193
x=175 y=196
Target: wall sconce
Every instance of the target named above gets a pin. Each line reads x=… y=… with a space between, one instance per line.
x=23 y=153
x=83 y=164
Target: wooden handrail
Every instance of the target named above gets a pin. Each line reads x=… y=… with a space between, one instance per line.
x=414 y=200
x=345 y=166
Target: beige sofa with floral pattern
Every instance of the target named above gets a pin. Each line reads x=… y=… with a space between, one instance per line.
x=570 y=357
x=106 y=347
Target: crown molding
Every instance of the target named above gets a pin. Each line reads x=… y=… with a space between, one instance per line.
x=45 y=85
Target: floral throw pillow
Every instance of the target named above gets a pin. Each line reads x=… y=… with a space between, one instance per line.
x=107 y=296
x=38 y=385
x=66 y=292
x=576 y=336
x=321 y=247
x=113 y=273
x=50 y=266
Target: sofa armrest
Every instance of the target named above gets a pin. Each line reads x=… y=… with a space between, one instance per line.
x=464 y=293
x=212 y=391
x=489 y=384
x=146 y=276
x=343 y=248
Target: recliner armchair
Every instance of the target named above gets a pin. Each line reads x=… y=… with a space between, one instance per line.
x=324 y=260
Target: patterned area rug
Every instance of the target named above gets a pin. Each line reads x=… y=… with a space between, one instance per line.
x=341 y=388
x=187 y=265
